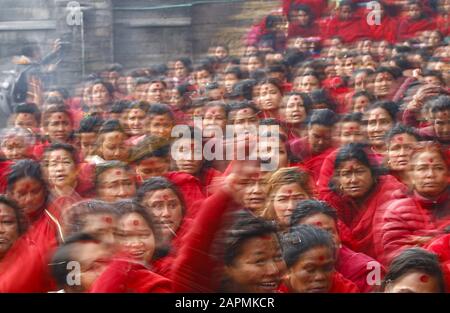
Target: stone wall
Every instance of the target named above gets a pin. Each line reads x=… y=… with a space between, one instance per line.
x=135 y=33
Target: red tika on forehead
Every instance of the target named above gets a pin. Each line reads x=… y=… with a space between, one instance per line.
x=400 y=138
x=166 y=197
x=107 y=219
x=289 y=191
x=118 y=172
x=267 y=237
x=424 y=278
x=319 y=224
x=430 y=160
x=321 y=257
x=255 y=176
x=27 y=186
x=135 y=222
x=246 y=111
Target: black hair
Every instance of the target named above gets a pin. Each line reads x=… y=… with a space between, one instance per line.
x=390 y=107
x=159 y=183
x=64 y=254
x=385 y=69
x=75 y=219
x=243 y=88
x=307 y=103
x=30 y=108
x=236 y=106
x=307 y=208
x=149 y=147
x=21 y=221
x=245 y=226
x=141 y=105
x=402 y=129
x=303 y=238
x=63 y=146
x=119 y=106
x=110 y=126
x=414 y=259
x=321 y=96
x=324 y=117
x=25 y=168
x=90 y=124
x=129 y=206
x=437 y=74
x=235 y=71
x=224 y=106
x=103 y=167
x=441 y=103
x=107 y=85
x=186 y=62
x=160 y=109
x=363 y=93
x=351 y=117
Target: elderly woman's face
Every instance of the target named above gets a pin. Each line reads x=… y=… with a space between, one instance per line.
x=9 y=228
x=429 y=174
x=354 y=179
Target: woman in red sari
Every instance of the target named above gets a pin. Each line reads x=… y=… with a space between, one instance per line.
x=249 y=254
x=355 y=266
x=165 y=204
x=301 y=22
x=130 y=270
x=424 y=213
x=416 y=21
x=357 y=193
x=12 y=224
x=400 y=145
x=294 y=109
x=270 y=95
x=310 y=255
x=313 y=149
x=414 y=271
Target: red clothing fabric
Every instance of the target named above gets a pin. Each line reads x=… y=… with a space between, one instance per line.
x=25 y=267
x=296 y=30
x=191 y=189
x=4 y=171
x=339 y=284
x=387 y=30
x=318 y=7
x=349 y=30
x=301 y=149
x=356 y=267
x=408 y=28
x=126 y=276
x=193 y=269
x=407 y=217
x=361 y=217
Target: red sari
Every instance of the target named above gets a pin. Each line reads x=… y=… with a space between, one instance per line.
x=360 y=217
x=25 y=266
x=408 y=28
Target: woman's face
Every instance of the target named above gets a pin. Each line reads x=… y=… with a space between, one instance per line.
x=137 y=119
x=414 y=282
x=136 y=237
x=355 y=179
x=101 y=225
x=61 y=169
x=255 y=190
x=214 y=119
x=350 y=132
x=160 y=126
x=29 y=194
x=167 y=211
x=189 y=157
x=253 y=64
x=309 y=83
x=302 y=18
x=319 y=138
x=151 y=167
x=229 y=81
x=360 y=81
x=14 y=148
x=180 y=70
x=59 y=127
x=399 y=151
x=379 y=122
x=259 y=265
x=383 y=83
x=360 y=104
x=312 y=273
x=429 y=174
x=269 y=97
x=9 y=228
x=115 y=184
x=414 y=11
x=294 y=112
x=100 y=95
x=324 y=222
x=285 y=199
x=113 y=146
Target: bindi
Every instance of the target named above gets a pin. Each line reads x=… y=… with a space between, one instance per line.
x=424 y=278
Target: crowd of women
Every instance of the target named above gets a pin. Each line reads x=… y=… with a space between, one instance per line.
x=94 y=201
